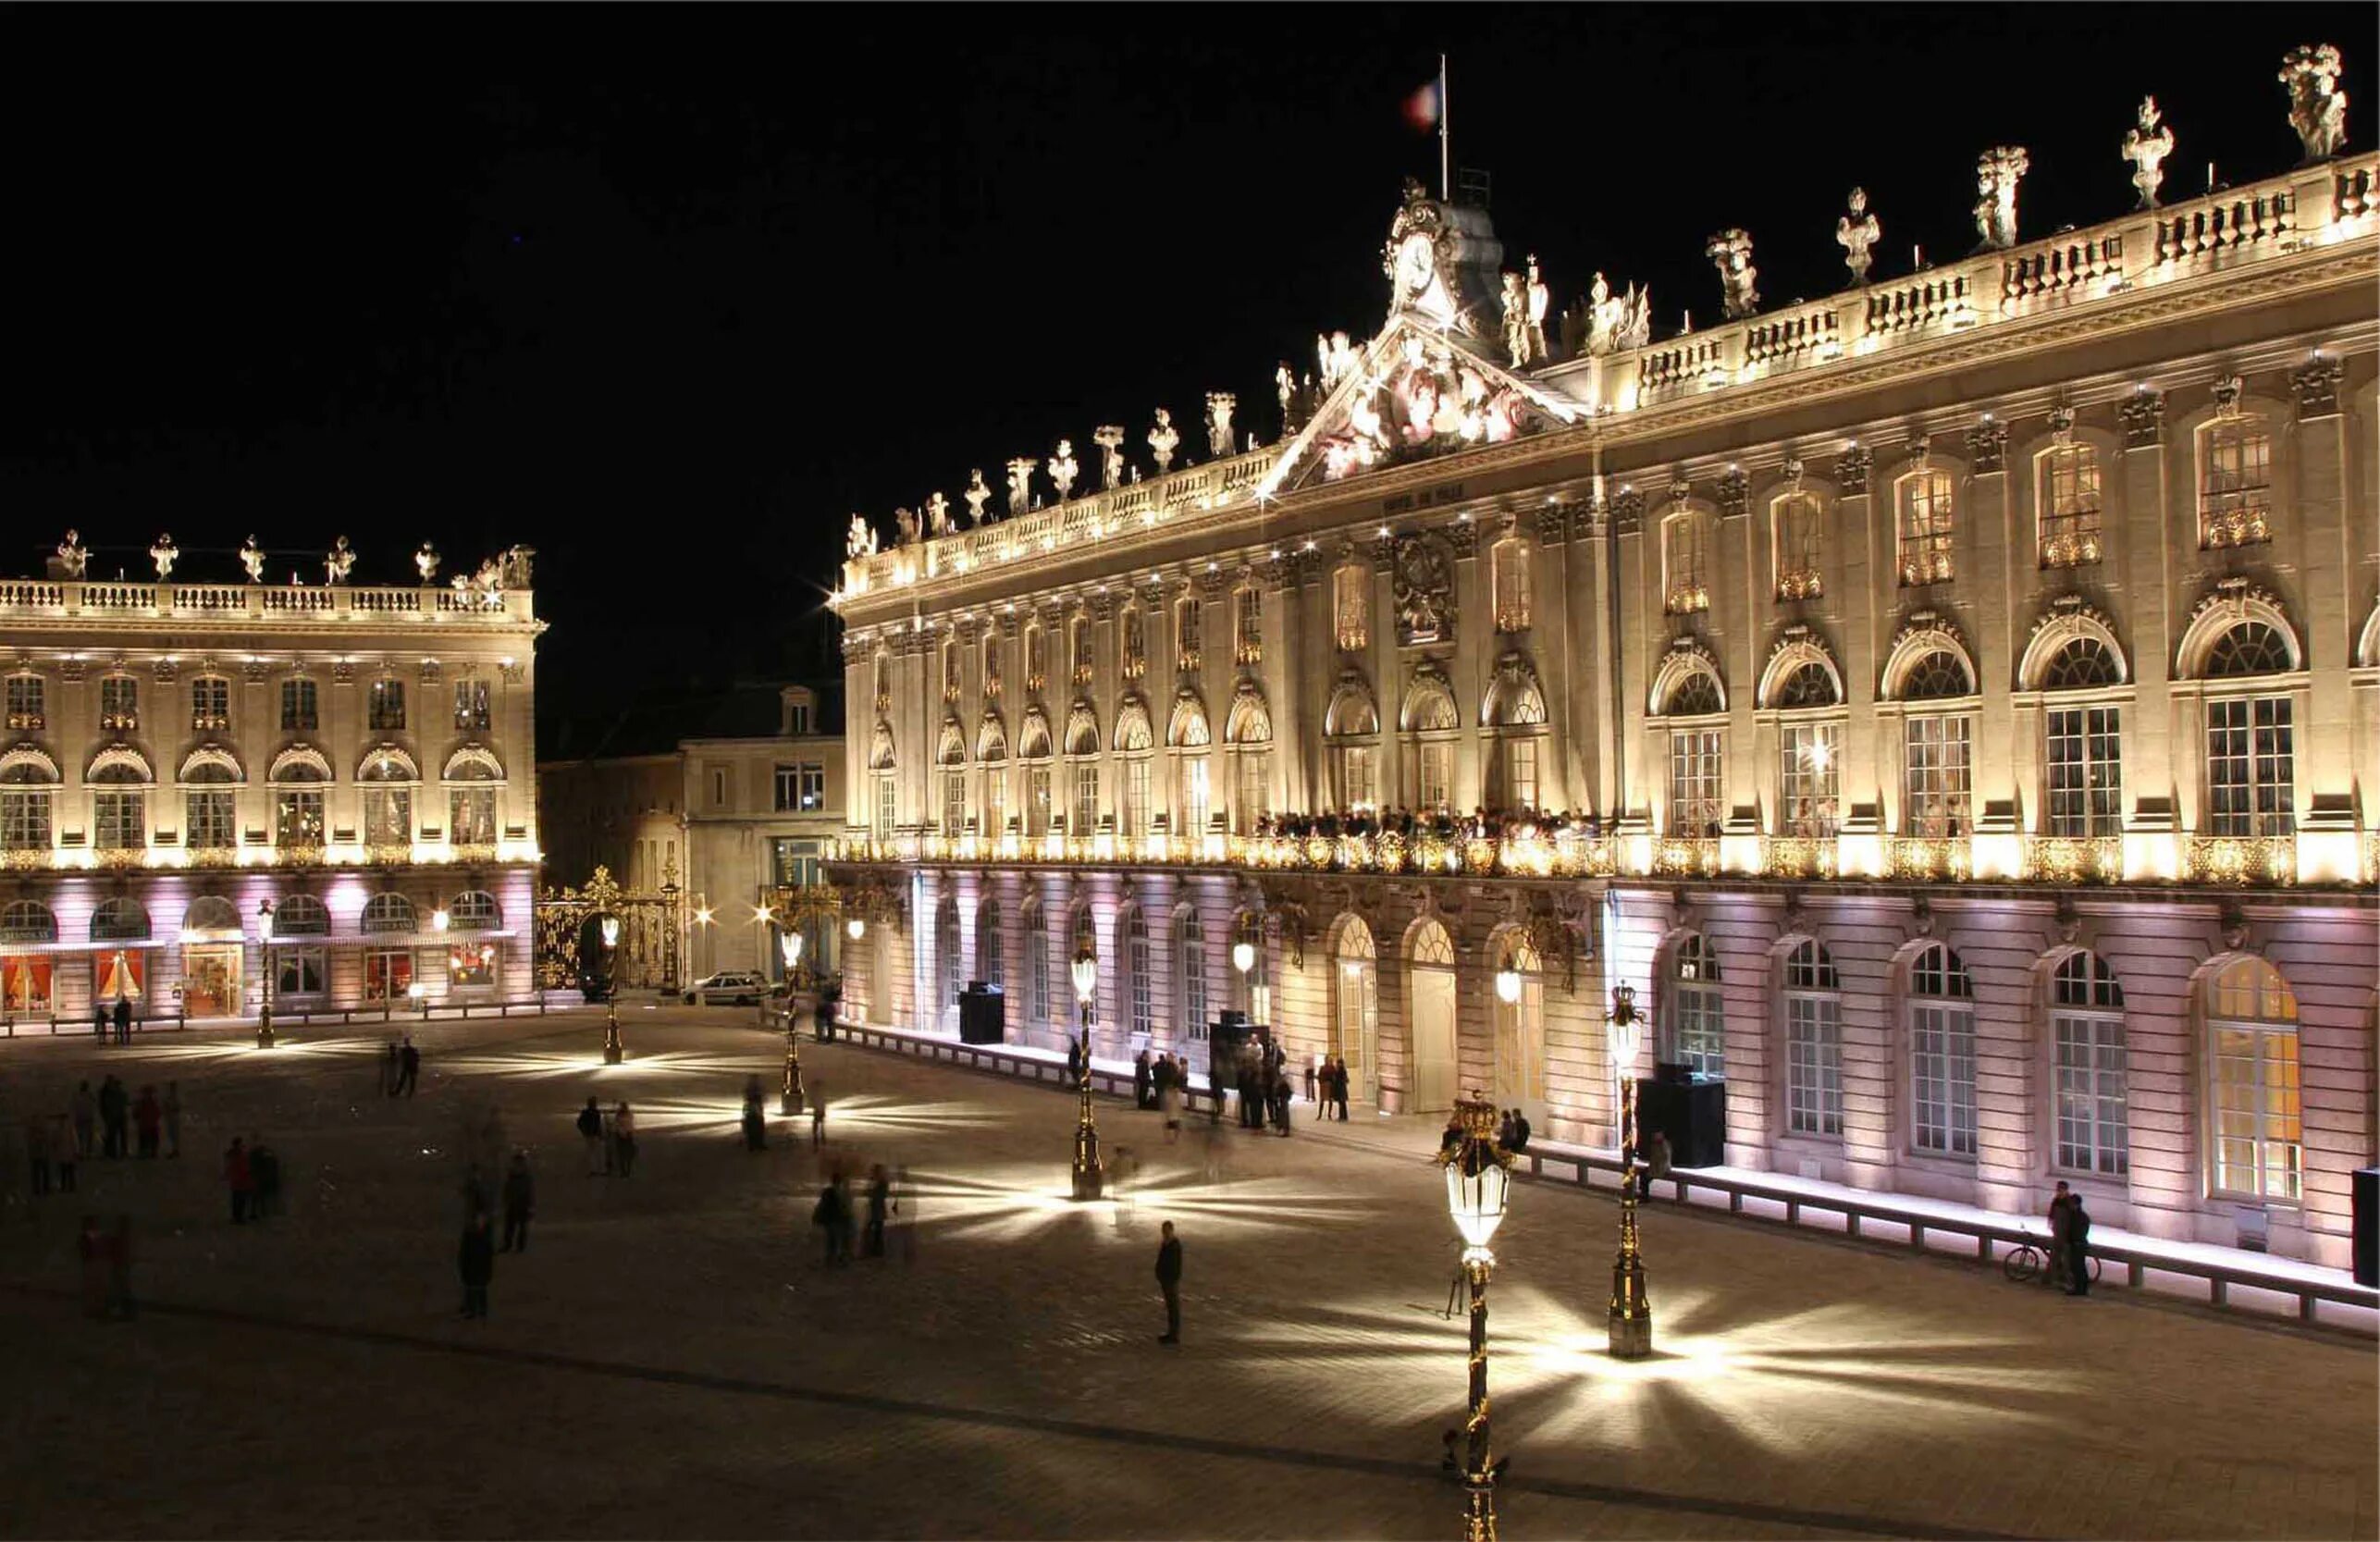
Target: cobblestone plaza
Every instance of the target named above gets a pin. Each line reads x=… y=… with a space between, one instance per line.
x=671 y=1359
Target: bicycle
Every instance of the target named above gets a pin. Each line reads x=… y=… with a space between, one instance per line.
x=2030 y=1259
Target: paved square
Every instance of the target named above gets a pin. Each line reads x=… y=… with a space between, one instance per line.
x=671 y=1359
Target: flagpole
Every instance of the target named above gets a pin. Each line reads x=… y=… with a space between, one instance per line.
x=1446 y=189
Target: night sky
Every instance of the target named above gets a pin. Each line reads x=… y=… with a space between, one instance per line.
x=668 y=293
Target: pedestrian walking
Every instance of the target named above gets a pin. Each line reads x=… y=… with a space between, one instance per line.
x=624 y=1134
x=1338 y=1087
x=408 y=1066
x=84 y=1110
x=1313 y=1086
x=755 y=1123
x=1169 y=1280
x=591 y=1127
x=63 y=1149
x=2060 y=1199
x=238 y=1180
x=1076 y=1062
x=2077 y=1248
x=520 y=1195
x=172 y=1108
x=115 y=1117
x=147 y=1115
x=1143 y=1096
x=123 y=1019
x=37 y=1153
x=879 y=1202
x=818 y=1118
x=831 y=1219
x=99 y=1028
x=477 y=1198
x=478 y=1261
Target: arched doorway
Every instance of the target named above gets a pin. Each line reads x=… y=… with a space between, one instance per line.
x=1355 y=1018
x=1429 y=953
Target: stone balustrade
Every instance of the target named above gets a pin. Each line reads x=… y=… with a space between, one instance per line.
x=33 y=599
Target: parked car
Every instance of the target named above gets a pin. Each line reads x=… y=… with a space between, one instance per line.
x=732 y=987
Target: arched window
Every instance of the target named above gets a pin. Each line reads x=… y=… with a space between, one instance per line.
x=382 y=913
x=119 y=920
x=301 y=916
x=211 y=918
x=989 y=965
x=1697 y=1027
x=388 y=775
x=2083 y=663
x=1937 y=748
x=1351 y=589
x=1082 y=747
x=2235 y=482
x=1798 y=541
x=2066 y=488
x=27 y=782
x=118 y=807
x=474 y=910
x=472 y=773
x=1138 y=987
x=950 y=761
x=949 y=968
x=1694 y=696
x=2250 y=739
x=1508 y=568
x=1356 y=1017
x=2251 y=1020
x=1942 y=1054
x=2087 y=1021
x=1813 y=998
x=1037 y=965
x=1352 y=723
x=29 y=920
x=2251 y=647
x=1809 y=685
x=1249 y=732
x=1189 y=973
x=1430 y=721
x=1685 y=564
x=1928 y=526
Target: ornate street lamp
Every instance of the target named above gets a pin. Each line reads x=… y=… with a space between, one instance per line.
x=1631 y=1314
x=613 y=1051
x=1089 y=1177
x=790 y=1103
x=1476 y=1185
x=265 y=943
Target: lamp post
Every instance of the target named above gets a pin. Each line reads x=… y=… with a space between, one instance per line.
x=1631 y=1314
x=613 y=1052
x=1088 y=1179
x=265 y=1039
x=790 y=1101
x=1476 y=1184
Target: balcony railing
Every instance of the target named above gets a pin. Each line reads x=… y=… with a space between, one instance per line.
x=2073 y=859
x=1932 y=858
x=1799 y=856
x=1686 y=857
x=2240 y=858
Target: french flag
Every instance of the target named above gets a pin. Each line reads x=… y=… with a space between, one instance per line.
x=1423 y=108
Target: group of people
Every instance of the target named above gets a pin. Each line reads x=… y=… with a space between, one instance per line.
x=400 y=1068
x=106 y=1122
x=252 y=1170
x=119 y=1018
x=1326 y=1086
x=890 y=1203
x=1479 y=824
x=1513 y=1131
x=610 y=1139
x=2069 y=1242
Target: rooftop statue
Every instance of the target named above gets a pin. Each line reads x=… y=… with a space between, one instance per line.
x=1516 y=321
x=1020 y=486
x=859 y=540
x=73 y=560
x=938 y=515
x=1063 y=469
x=976 y=495
x=1219 y=406
x=1335 y=357
x=252 y=557
x=1163 y=439
x=1109 y=437
x=338 y=562
x=165 y=553
x=1541 y=300
x=2146 y=147
x=426 y=560
x=489 y=579
x=1856 y=233
x=1284 y=391
x=904 y=527
x=1996 y=171
x=2317 y=108
x=517 y=563
x=1731 y=250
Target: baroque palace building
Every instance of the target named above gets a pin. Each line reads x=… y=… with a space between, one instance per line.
x=203 y=780
x=1949 y=707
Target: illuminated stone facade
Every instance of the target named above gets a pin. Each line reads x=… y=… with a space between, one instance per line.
x=179 y=754
x=1952 y=705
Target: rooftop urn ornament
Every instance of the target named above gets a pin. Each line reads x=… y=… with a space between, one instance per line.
x=1063 y=469
x=425 y=560
x=1731 y=250
x=1219 y=406
x=938 y=515
x=1109 y=437
x=1996 y=171
x=338 y=562
x=165 y=553
x=1020 y=486
x=2317 y=108
x=976 y=495
x=73 y=558
x=2146 y=147
x=252 y=557
x=1855 y=232
x=1541 y=300
x=860 y=540
x=1163 y=439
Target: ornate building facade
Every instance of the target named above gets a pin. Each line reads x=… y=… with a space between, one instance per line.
x=205 y=779
x=1951 y=706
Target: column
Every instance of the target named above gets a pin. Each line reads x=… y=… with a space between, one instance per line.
x=1991 y=536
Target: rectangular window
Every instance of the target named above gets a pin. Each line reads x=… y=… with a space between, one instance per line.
x=1084 y=817
x=886 y=795
x=2259 y=1145
x=1508 y=569
x=953 y=802
x=1942 y=1079
x=2069 y=494
x=2235 y=484
x=1250 y=800
x=473 y=817
x=1701 y=1031
x=995 y=800
x=1082 y=651
x=209 y=821
x=1188 y=637
x=1357 y=787
x=797 y=718
x=1037 y=800
x=1808 y=778
x=2092 y=1129
x=794 y=864
x=388 y=974
x=386 y=711
x=1248 y=627
x=1038 y=1004
x=809 y=787
x=2250 y=766
x=1697 y=808
x=25 y=820
x=116 y=822
x=1686 y=584
x=1351 y=593
x=1036 y=661
x=1814 y=1065
x=788 y=789
x=1136 y=795
x=1189 y=945
x=1195 y=796
x=302 y=970
x=2085 y=747
x=1936 y=770
x=297 y=818
x=992 y=666
x=1519 y=773
x=1436 y=775
x=298 y=713
x=471 y=706
x=120 y=704
x=1927 y=526
x=1800 y=541
x=210 y=704
x=1136 y=646
x=387 y=816
x=25 y=702
x=1136 y=964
